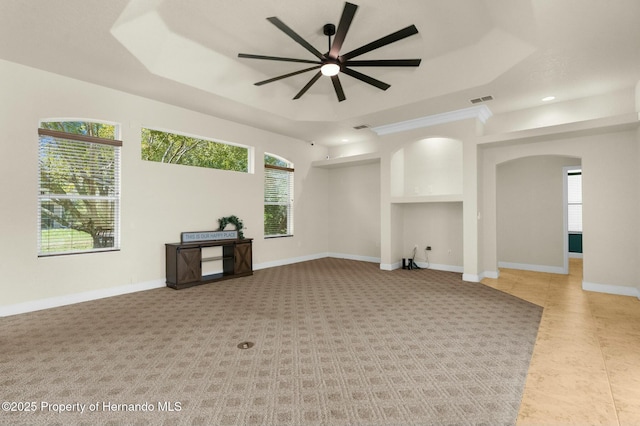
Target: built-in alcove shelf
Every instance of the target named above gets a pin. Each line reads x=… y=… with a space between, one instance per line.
x=444 y=198
x=352 y=160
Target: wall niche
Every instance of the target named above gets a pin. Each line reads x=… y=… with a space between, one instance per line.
x=427 y=169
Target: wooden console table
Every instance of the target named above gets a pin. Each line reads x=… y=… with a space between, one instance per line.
x=184 y=262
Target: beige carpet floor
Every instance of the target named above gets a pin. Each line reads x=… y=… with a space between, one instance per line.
x=336 y=342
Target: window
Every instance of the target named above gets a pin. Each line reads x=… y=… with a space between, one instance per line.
x=278 y=196
x=174 y=148
x=78 y=188
x=574 y=199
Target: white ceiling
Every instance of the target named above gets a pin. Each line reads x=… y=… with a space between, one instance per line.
x=185 y=53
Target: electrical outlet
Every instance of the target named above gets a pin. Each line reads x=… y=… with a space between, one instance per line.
x=428 y=248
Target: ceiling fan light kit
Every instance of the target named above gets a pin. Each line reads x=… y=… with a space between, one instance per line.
x=330 y=69
x=332 y=63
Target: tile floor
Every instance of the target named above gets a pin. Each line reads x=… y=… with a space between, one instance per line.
x=585 y=368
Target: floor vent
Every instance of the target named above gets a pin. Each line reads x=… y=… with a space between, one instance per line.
x=245 y=345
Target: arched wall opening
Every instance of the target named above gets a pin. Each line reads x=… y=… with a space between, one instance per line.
x=531 y=231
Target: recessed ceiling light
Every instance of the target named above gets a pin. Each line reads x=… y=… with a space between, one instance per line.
x=548 y=98
x=345 y=140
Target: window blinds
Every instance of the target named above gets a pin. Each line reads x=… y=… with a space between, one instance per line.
x=78 y=193
x=574 y=200
x=278 y=201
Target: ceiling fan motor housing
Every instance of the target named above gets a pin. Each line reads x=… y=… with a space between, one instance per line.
x=329 y=30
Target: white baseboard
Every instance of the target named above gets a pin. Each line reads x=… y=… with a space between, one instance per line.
x=534 y=268
x=575 y=255
x=472 y=278
x=390 y=266
x=355 y=257
x=423 y=265
x=289 y=261
x=293 y=260
x=490 y=274
x=619 y=290
x=478 y=278
x=440 y=267
x=69 y=299
x=54 y=302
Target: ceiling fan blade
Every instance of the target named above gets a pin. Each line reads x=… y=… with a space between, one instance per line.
x=362 y=77
x=308 y=85
x=391 y=38
x=288 y=31
x=338 y=88
x=384 y=63
x=276 y=58
x=291 y=74
x=343 y=27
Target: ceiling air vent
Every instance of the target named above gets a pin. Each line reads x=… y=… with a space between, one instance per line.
x=482 y=99
x=362 y=126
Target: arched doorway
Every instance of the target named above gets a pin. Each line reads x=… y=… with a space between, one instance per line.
x=531 y=210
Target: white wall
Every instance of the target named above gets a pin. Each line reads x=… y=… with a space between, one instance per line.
x=158 y=200
x=555 y=113
x=438 y=225
x=610 y=206
x=430 y=166
x=530 y=212
x=354 y=212
x=366 y=146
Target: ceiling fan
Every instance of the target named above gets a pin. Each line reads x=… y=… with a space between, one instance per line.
x=333 y=63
